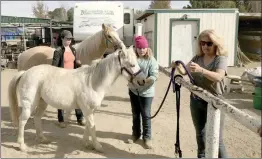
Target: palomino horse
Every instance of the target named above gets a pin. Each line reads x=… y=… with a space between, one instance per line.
x=88 y=50
x=82 y=88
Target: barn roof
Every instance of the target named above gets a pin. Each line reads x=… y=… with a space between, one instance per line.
x=215 y=10
x=249 y=16
x=13 y=19
x=30 y=21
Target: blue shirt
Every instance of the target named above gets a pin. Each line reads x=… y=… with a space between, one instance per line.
x=150 y=69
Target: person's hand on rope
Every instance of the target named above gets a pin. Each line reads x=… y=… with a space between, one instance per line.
x=194 y=67
x=148 y=81
x=179 y=68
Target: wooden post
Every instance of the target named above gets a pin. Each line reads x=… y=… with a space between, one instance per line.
x=51 y=34
x=212 y=131
x=24 y=36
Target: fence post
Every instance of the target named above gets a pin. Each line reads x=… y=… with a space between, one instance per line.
x=24 y=37
x=212 y=131
x=51 y=34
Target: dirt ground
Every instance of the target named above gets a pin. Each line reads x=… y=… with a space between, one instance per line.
x=113 y=123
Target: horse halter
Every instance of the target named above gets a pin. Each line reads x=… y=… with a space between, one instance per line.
x=132 y=75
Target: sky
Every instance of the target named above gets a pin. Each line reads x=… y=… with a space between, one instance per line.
x=24 y=8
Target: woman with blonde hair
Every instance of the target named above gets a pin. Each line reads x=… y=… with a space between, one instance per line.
x=208 y=69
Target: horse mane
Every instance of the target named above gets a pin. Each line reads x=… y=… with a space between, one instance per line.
x=98 y=70
x=93 y=42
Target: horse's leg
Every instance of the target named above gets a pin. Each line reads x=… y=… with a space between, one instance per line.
x=85 y=110
x=23 y=118
x=90 y=124
x=90 y=127
x=38 y=123
x=86 y=140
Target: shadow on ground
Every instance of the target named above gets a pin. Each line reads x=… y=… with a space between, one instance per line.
x=59 y=136
x=242 y=101
x=116 y=98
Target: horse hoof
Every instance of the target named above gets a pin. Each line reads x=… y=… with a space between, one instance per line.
x=45 y=141
x=99 y=148
x=42 y=140
x=89 y=146
x=23 y=147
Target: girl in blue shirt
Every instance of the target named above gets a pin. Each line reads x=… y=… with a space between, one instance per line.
x=149 y=65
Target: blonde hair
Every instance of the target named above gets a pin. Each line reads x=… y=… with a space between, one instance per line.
x=148 y=54
x=218 y=42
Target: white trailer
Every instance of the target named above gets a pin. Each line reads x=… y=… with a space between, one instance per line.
x=89 y=16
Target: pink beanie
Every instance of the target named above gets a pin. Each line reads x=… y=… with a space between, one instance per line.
x=141 y=42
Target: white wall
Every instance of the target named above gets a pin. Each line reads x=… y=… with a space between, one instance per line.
x=148 y=29
x=223 y=23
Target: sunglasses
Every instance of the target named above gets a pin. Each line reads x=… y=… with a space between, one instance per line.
x=208 y=43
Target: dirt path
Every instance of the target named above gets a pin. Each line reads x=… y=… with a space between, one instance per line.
x=113 y=123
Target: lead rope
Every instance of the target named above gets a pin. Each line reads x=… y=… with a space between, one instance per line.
x=162 y=103
x=176 y=89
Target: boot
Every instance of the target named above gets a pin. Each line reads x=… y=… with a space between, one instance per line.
x=132 y=140
x=148 y=144
x=81 y=122
x=62 y=124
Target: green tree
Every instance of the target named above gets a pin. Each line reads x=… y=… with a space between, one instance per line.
x=138 y=13
x=59 y=14
x=160 y=4
x=50 y=14
x=70 y=14
x=242 y=5
x=40 y=10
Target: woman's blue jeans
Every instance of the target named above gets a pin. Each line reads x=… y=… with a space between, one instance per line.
x=136 y=112
x=198 y=109
x=60 y=115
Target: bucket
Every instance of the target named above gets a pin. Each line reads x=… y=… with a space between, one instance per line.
x=258 y=81
x=257 y=98
x=258 y=91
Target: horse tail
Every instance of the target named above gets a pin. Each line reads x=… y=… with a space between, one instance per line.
x=13 y=102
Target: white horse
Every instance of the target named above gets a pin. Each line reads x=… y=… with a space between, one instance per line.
x=82 y=88
x=90 y=49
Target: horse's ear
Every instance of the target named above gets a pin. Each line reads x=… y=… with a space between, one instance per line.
x=103 y=27
x=132 y=47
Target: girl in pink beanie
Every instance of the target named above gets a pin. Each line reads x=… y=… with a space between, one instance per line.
x=149 y=65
